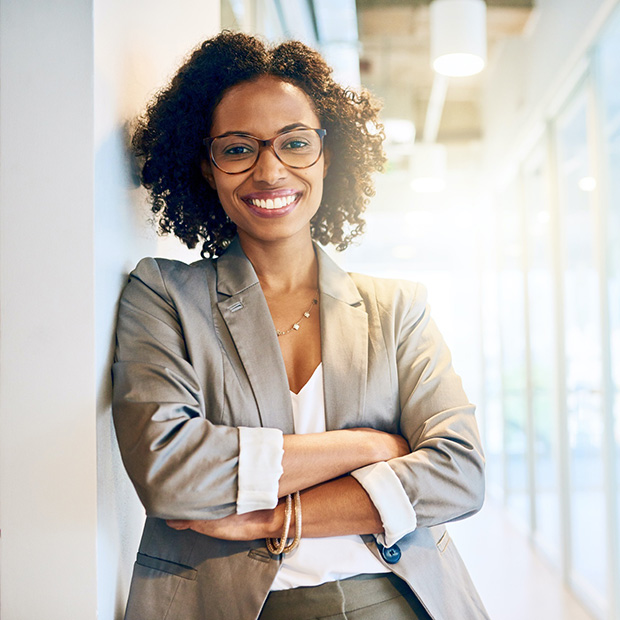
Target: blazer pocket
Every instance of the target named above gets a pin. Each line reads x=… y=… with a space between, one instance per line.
x=166 y=566
x=262 y=555
x=443 y=542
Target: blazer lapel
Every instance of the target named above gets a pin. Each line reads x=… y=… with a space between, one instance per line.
x=246 y=314
x=344 y=345
x=344 y=341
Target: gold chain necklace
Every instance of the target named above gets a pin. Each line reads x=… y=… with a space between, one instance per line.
x=306 y=315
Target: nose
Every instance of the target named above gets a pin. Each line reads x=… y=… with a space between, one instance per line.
x=268 y=168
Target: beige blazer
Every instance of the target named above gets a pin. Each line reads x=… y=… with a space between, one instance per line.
x=197 y=356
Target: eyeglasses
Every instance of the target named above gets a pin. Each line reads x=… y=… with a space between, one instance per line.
x=234 y=153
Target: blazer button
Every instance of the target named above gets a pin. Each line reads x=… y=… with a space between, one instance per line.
x=390 y=554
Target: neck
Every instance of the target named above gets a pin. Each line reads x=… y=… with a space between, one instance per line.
x=283 y=266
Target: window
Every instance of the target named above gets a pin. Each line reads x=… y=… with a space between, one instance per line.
x=542 y=353
x=513 y=363
x=583 y=378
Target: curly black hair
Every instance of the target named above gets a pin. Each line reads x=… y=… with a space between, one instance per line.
x=168 y=139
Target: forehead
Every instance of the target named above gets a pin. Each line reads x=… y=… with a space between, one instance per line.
x=263 y=107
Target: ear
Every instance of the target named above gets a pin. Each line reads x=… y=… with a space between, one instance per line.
x=207 y=172
x=327 y=157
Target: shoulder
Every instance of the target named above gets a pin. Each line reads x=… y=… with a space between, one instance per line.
x=159 y=283
x=396 y=297
x=166 y=290
x=163 y=275
x=154 y=268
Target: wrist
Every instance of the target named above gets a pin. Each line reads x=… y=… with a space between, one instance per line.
x=276 y=522
x=278 y=545
x=366 y=446
x=393 y=446
x=381 y=446
x=375 y=446
x=258 y=524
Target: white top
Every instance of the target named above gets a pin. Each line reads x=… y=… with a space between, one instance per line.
x=318 y=560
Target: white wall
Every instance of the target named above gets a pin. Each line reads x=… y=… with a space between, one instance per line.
x=138 y=46
x=48 y=478
x=72 y=223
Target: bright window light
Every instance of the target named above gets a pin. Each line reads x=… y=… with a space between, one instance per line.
x=458 y=65
x=587 y=184
x=428 y=185
x=428 y=168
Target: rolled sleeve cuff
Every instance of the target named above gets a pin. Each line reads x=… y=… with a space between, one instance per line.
x=388 y=495
x=260 y=467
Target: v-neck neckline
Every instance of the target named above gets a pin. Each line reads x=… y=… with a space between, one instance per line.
x=308 y=382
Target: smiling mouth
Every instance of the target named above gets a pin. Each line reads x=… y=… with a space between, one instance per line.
x=275 y=203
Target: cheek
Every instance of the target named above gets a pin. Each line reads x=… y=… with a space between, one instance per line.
x=224 y=187
x=326 y=161
x=207 y=173
x=318 y=185
x=317 y=193
x=224 y=198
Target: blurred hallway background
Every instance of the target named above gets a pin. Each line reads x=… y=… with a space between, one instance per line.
x=501 y=195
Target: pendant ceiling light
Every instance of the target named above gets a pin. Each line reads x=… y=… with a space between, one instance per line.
x=458 y=36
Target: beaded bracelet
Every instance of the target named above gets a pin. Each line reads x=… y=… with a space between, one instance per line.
x=275 y=546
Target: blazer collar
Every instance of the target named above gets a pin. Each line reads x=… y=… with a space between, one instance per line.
x=344 y=345
x=236 y=274
x=344 y=340
x=334 y=281
x=234 y=271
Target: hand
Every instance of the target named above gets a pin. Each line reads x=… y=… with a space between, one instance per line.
x=249 y=526
x=386 y=445
x=397 y=446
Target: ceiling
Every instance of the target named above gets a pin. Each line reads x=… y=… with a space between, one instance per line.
x=385 y=44
x=394 y=38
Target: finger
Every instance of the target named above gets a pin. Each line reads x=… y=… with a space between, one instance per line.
x=178 y=524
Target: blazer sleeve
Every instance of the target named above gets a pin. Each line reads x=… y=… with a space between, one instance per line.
x=443 y=476
x=181 y=464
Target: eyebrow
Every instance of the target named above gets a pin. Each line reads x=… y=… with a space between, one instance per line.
x=282 y=130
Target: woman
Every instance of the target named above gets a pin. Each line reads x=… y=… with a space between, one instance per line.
x=296 y=434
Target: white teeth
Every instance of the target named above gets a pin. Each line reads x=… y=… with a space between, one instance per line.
x=276 y=203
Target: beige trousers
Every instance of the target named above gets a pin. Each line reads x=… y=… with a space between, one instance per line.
x=366 y=597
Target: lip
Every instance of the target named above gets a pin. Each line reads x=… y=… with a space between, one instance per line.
x=283 y=195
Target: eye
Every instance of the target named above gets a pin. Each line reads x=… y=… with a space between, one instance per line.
x=296 y=144
x=233 y=147
x=236 y=150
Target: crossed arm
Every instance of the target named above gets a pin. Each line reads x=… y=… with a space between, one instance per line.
x=334 y=503
x=184 y=466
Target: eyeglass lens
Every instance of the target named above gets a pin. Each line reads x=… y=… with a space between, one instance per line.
x=236 y=153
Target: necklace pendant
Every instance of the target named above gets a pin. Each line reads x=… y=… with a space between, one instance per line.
x=297 y=324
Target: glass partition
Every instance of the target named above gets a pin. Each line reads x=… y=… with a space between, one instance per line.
x=513 y=380
x=542 y=343
x=493 y=427
x=584 y=405
x=608 y=57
